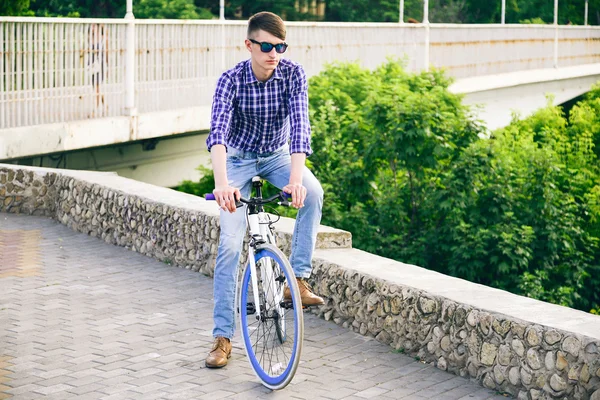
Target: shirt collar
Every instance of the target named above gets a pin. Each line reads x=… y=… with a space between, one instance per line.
x=249 y=77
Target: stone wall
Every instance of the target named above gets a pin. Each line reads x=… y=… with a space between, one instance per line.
x=27 y=191
x=172 y=227
x=550 y=353
x=170 y=234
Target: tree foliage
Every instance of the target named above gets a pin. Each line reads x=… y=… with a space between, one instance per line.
x=78 y=8
x=243 y=9
x=447 y=11
x=170 y=9
x=14 y=7
x=517 y=211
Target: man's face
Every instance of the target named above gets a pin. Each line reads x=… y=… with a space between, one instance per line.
x=266 y=61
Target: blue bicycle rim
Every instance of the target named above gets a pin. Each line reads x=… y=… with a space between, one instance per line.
x=270 y=380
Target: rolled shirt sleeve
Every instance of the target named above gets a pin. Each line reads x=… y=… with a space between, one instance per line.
x=298 y=112
x=221 y=114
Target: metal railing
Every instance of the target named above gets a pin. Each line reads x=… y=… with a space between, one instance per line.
x=50 y=72
x=59 y=69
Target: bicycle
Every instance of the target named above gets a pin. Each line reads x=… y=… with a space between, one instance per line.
x=273 y=331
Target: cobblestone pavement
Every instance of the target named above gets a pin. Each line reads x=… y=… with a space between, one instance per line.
x=82 y=319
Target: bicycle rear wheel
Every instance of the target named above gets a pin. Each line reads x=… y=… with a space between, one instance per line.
x=273 y=337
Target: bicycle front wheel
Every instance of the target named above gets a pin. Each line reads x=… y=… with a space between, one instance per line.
x=274 y=329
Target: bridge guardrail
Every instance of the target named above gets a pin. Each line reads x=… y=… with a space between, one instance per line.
x=56 y=70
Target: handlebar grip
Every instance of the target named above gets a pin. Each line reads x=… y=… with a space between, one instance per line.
x=209 y=196
x=286 y=196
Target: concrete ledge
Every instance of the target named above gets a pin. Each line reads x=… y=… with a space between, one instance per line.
x=166 y=123
x=528 y=348
x=35 y=140
x=511 y=79
x=29 y=141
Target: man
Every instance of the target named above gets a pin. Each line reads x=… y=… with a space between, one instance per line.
x=260 y=127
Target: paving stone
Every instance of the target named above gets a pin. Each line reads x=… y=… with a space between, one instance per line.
x=81 y=390
x=23 y=390
x=96 y=321
x=53 y=389
x=340 y=393
x=185 y=387
x=482 y=394
x=443 y=389
x=149 y=388
x=372 y=392
x=125 y=395
x=217 y=394
x=458 y=392
x=113 y=388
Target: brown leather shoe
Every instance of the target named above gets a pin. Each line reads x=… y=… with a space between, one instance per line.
x=307 y=296
x=221 y=351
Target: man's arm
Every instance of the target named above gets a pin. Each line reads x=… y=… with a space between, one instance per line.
x=299 y=135
x=298 y=111
x=222 y=110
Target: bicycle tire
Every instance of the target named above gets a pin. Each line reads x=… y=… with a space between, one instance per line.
x=273 y=343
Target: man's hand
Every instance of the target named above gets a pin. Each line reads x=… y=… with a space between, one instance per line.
x=226 y=197
x=298 y=193
x=295 y=187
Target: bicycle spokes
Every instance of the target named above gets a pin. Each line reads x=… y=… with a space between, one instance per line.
x=272 y=332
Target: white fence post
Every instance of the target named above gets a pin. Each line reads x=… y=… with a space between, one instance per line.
x=401 y=16
x=427 y=33
x=130 y=108
x=3 y=78
x=555 y=33
x=503 y=12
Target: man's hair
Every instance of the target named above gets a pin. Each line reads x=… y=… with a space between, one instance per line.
x=267 y=22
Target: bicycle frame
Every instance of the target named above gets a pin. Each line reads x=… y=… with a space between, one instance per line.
x=260 y=232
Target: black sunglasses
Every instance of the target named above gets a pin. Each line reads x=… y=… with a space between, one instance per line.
x=267 y=47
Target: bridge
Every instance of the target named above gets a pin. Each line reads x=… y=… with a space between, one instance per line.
x=134 y=96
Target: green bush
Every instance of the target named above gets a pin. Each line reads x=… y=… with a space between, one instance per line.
x=205 y=184
x=408 y=172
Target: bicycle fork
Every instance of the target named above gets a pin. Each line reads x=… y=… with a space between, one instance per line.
x=255 y=232
x=269 y=281
x=254 y=282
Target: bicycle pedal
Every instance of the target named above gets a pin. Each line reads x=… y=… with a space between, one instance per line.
x=287 y=304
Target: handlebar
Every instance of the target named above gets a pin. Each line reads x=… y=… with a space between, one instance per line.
x=281 y=198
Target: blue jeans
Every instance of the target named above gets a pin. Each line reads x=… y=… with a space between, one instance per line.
x=275 y=167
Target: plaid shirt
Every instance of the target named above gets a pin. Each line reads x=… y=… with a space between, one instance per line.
x=261 y=117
